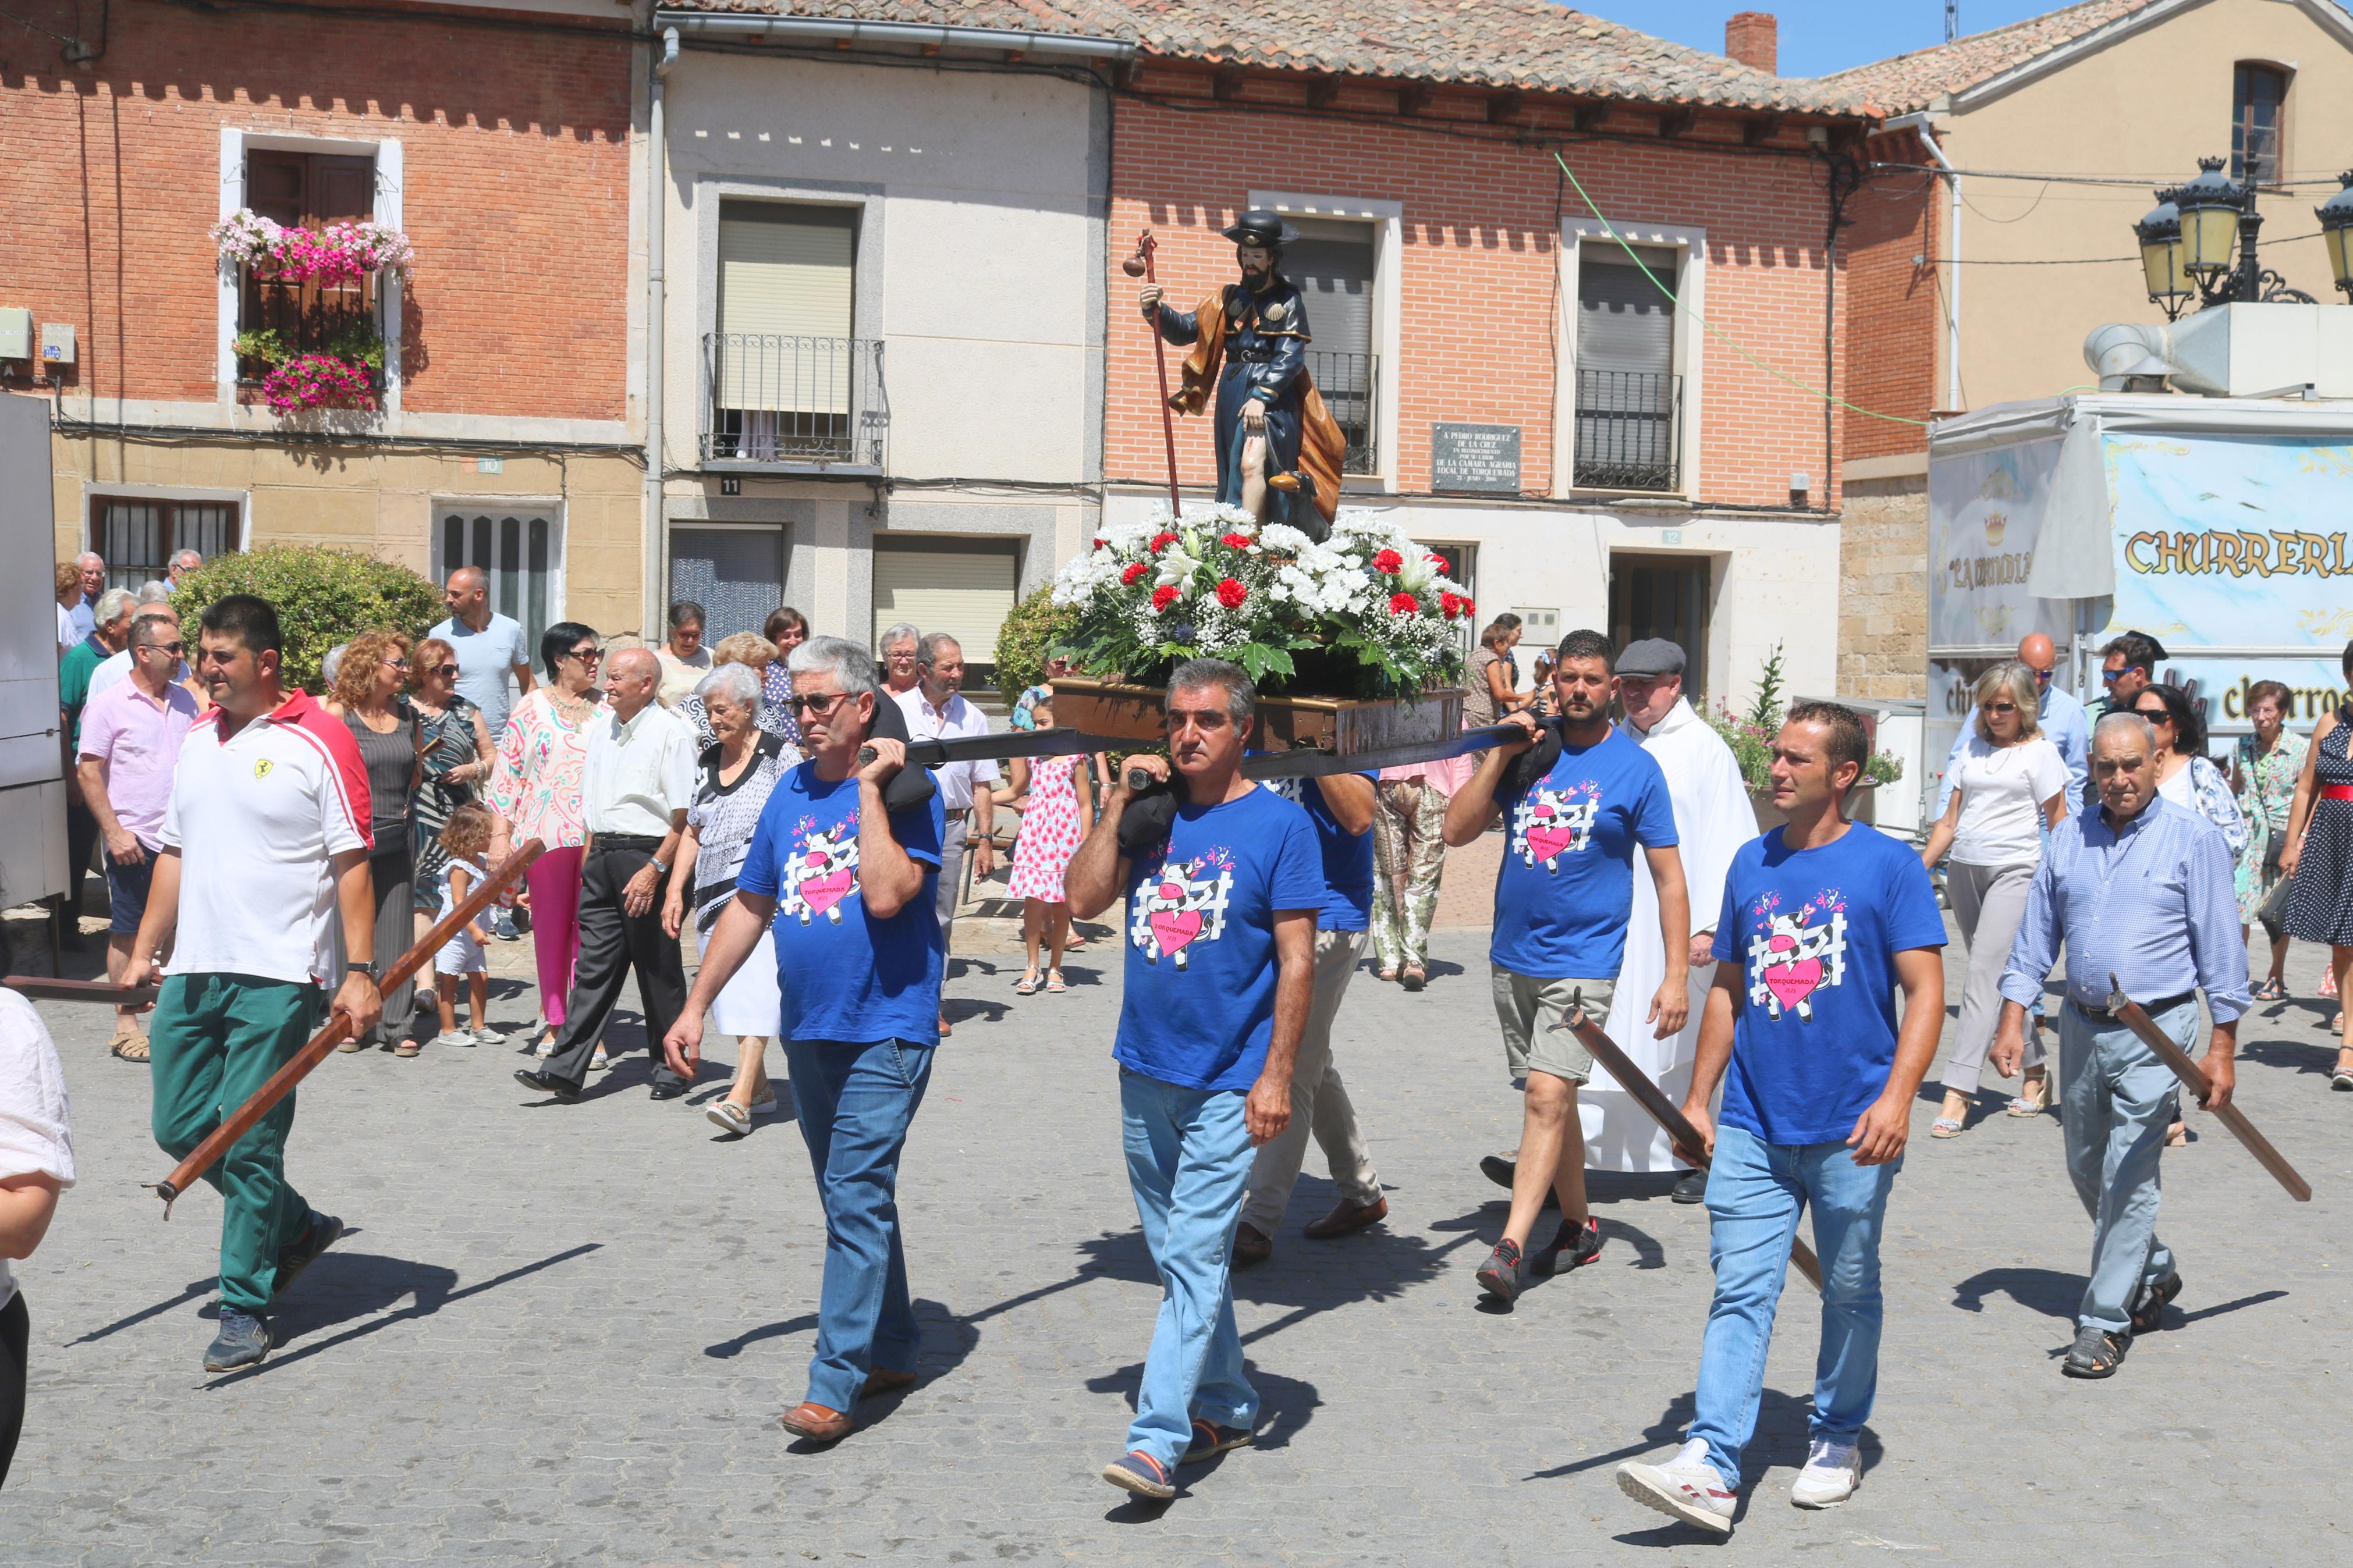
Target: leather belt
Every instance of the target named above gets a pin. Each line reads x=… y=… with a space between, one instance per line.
x=958 y=813
x=626 y=841
x=2162 y=1004
x=2337 y=792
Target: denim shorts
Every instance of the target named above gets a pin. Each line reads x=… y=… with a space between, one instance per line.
x=126 y=891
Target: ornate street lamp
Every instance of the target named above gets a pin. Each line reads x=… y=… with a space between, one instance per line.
x=2159 y=233
x=2202 y=235
x=2336 y=215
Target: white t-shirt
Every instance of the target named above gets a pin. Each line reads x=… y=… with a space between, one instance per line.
x=36 y=1129
x=258 y=818
x=2002 y=789
x=957 y=720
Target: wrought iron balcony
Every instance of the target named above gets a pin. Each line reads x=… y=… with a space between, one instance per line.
x=1628 y=430
x=770 y=398
x=1350 y=385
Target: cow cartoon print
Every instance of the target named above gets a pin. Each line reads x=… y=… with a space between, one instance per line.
x=1793 y=957
x=821 y=873
x=1181 y=904
x=1549 y=823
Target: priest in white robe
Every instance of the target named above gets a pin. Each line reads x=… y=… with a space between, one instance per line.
x=1713 y=819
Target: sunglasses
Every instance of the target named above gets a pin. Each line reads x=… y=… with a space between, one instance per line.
x=2110 y=676
x=2042 y=677
x=447 y=670
x=2155 y=715
x=175 y=648
x=585 y=654
x=823 y=702
x=400 y=664
x=1999 y=706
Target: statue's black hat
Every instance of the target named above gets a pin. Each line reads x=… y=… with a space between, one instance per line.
x=1259 y=226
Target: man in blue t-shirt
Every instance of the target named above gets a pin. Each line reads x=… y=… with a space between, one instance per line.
x=1574 y=812
x=1340 y=808
x=846 y=885
x=1823 y=920
x=1221 y=937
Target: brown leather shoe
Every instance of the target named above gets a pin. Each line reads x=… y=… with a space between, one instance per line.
x=817 y=1423
x=881 y=1382
x=1349 y=1216
x=1252 y=1245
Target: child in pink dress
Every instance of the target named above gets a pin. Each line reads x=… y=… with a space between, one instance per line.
x=1055 y=817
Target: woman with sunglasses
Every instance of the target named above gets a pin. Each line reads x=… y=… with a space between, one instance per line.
x=2010 y=782
x=535 y=791
x=369 y=699
x=459 y=757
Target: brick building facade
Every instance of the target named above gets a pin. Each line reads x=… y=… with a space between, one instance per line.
x=501 y=430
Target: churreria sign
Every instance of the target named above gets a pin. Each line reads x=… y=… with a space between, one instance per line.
x=2278 y=553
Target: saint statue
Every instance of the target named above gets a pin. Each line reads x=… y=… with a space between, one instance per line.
x=1279 y=448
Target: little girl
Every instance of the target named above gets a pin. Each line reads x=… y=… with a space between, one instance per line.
x=1055 y=818
x=466 y=838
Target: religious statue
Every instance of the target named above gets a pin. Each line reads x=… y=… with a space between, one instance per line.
x=1279 y=448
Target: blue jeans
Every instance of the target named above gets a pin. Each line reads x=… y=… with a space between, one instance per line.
x=1188 y=1160
x=2115 y=1098
x=855 y=1101
x=1755 y=1191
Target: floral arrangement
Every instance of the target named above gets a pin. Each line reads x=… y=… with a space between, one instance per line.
x=317 y=381
x=335 y=257
x=1366 y=613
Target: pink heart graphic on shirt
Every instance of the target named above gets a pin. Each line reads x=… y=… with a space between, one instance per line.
x=821 y=893
x=1791 y=983
x=1548 y=842
x=1173 y=928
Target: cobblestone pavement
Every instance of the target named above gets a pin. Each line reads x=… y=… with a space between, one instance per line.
x=564 y=1335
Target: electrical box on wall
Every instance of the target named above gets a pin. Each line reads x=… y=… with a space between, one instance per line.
x=57 y=342
x=1538 y=628
x=16 y=332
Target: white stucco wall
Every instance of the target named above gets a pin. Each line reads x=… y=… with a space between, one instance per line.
x=1775 y=581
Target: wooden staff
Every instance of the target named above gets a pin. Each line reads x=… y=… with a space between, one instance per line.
x=1140 y=265
x=281 y=1082
x=1664 y=1112
x=47 y=988
x=2135 y=1018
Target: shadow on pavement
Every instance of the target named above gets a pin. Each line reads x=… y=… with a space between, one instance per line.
x=2045 y=1291
x=293 y=1320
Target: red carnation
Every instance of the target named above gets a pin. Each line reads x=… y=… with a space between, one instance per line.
x=1136 y=569
x=1404 y=604
x=1389 y=561
x=1161 y=542
x=1468 y=608
x=1231 y=594
x=1164 y=596
x=1435 y=559
x=1450 y=605
x=1102 y=544
x=1235 y=541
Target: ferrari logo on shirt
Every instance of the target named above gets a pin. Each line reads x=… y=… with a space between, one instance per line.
x=261 y=767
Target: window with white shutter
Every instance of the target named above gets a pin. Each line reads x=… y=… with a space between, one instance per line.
x=965 y=587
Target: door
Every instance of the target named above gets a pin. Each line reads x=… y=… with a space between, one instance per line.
x=736 y=574
x=520 y=552
x=965 y=587
x=1664 y=596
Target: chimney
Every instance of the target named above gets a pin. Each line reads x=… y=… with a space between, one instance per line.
x=1753 y=39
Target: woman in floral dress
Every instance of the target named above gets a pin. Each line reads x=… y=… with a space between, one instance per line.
x=1055 y=818
x=785 y=628
x=2264 y=767
x=535 y=790
x=459 y=757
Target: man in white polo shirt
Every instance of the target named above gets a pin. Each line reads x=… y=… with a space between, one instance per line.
x=639 y=780
x=937 y=711
x=265 y=838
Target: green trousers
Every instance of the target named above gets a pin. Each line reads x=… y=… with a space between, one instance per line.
x=215 y=1039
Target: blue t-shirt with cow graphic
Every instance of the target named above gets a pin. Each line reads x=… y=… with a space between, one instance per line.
x=1566 y=886
x=1199 y=1004
x=845 y=974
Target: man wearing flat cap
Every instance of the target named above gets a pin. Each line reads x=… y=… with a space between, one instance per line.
x=1279 y=449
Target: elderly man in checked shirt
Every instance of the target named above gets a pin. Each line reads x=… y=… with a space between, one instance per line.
x=2141 y=889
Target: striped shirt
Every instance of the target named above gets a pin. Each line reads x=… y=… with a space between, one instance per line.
x=258 y=817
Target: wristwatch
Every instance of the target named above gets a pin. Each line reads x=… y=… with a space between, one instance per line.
x=361 y=967
x=661 y=870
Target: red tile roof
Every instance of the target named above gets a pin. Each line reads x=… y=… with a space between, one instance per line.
x=1913 y=81
x=1526 y=45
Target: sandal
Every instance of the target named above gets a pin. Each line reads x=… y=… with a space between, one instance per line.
x=1054 y=982
x=2095 y=1353
x=1028 y=985
x=1944 y=1127
x=129 y=1047
x=2268 y=991
x=2033 y=1096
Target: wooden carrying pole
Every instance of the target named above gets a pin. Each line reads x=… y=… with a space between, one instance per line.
x=2135 y=1018
x=47 y=988
x=1140 y=265
x=1652 y=1099
x=281 y=1082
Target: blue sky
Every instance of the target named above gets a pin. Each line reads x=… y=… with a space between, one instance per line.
x=1818 y=35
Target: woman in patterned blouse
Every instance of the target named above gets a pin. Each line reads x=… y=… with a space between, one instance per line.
x=535 y=790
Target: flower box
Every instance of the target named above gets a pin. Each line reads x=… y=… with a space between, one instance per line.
x=1340 y=725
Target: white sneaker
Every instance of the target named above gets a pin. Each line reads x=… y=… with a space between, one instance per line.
x=452 y=1037
x=1686 y=1488
x=1832 y=1472
x=486 y=1036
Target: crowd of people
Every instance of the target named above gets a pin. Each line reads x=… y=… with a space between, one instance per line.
x=1787 y=990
